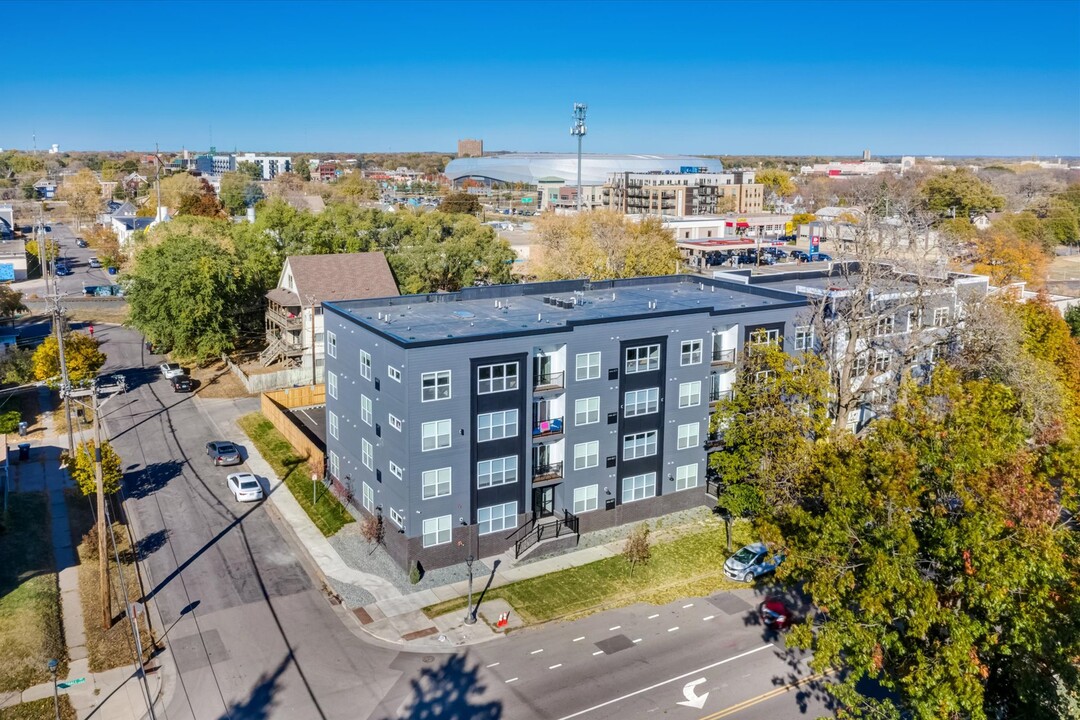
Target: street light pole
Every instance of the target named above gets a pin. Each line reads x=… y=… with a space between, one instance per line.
x=470 y=616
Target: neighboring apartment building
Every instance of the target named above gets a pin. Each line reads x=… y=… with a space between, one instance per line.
x=270 y=165
x=685 y=194
x=294 y=314
x=469 y=420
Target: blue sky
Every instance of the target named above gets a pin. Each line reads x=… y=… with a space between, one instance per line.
x=953 y=78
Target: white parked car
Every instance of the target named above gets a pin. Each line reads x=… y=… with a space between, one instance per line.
x=94 y=262
x=245 y=487
x=171 y=370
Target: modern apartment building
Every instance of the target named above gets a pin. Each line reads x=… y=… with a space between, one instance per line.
x=270 y=165
x=473 y=422
x=685 y=194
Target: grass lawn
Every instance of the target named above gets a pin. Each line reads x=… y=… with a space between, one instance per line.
x=39 y=710
x=689 y=566
x=114 y=647
x=328 y=514
x=31 y=631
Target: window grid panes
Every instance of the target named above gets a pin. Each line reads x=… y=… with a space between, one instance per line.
x=688 y=435
x=690 y=394
x=691 y=352
x=436 y=483
x=497 y=518
x=496 y=425
x=365 y=409
x=396 y=518
x=396 y=470
x=331 y=384
x=804 y=337
x=331 y=424
x=365 y=364
x=641 y=402
x=394 y=373
x=395 y=422
x=435 y=386
x=367 y=455
x=499 y=471
x=587 y=411
x=496 y=378
x=334 y=464
x=642 y=359
x=435 y=435
x=367 y=498
x=586 y=455
x=588 y=366
x=941 y=316
x=586 y=499
x=639 y=445
x=437 y=531
x=686 y=477
x=331 y=344
x=765 y=337
x=639 y=487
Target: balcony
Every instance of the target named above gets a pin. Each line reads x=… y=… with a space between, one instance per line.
x=723 y=357
x=552 y=427
x=547 y=473
x=282 y=319
x=714 y=440
x=548 y=381
x=716 y=395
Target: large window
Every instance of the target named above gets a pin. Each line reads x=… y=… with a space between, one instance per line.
x=437 y=531
x=588 y=366
x=396 y=518
x=765 y=337
x=436 y=483
x=334 y=464
x=585 y=499
x=500 y=471
x=395 y=421
x=331 y=424
x=435 y=386
x=688 y=435
x=691 y=352
x=497 y=518
x=496 y=425
x=394 y=373
x=331 y=344
x=587 y=411
x=804 y=337
x=365 y=364
x=642 y=359
x=435 y=435
x=861 y=365
x=941 y=316
x=686 y=477
x=586 y=455
x=638 y=487
x=882 y=360
x=331 y=384
x=367 y=455
x=690 y=394
x=365 y=409
x=496 y=378
x=367 y=498
x=884 y=326
x=639 y=445
x=641 y=402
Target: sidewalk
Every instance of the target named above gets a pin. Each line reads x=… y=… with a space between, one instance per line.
x=111 y=695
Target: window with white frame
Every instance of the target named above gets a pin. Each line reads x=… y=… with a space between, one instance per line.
x=688 y=435
x=498 y=471
x=686 y=477
x=365 y=364
x=861 y=365
x=941 y=316
x=367 y=498
x=641 y=402
x=586 y=499
x=691 y=352
x=642 y=359
x=367 y=455
x=395 y=421
x=882 y=360
x=690 y=394
x=914 y=319
x=435 y=386
x=395 y=517
x=396 y=470
x=586 y=455
x=334 y=464
x=639 y=487
x=435 y=435
x=496 y=518
x=331 y=384
x=639 y=445
x=331 y=344
x=437 y=531
x=588 y=366
x=393 y=373
x=365 y=409
x=496 y=425
x=587 y=411
x=804 y=337
x=496 y=378
x=331 y=424
x=765 y=337
x=884 y=326
x=436 y=483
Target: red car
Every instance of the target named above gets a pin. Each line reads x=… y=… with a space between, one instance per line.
x=775 y=614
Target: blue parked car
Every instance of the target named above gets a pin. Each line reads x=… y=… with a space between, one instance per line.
x=823 y=257
x=751 y=562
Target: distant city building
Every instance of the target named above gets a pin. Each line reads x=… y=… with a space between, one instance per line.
x=54 y=149
x=856 y=168
x=685 y=194
x=470 y=148
x=529 y=168
x=270 y=165
x=866 y=155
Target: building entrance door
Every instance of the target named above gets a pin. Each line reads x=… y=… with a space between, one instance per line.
x=544 y=501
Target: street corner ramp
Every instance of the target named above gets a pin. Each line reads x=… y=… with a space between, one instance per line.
x=730 y=604
x=614 y=644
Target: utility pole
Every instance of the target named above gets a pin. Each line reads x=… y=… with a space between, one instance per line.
x=103 y=548
x=157 y=156
x=57 y=312
x=578 y=129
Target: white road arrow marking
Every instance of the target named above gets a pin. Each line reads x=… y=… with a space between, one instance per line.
x=692 y=698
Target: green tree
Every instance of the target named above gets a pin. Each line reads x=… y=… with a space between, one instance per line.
x=461 y=202
x=959 y=193
x=185 y=290
x=1072 y=318
x=11 y=302
x=177 y=188
x=602 y=245
x=354 y=188
x=81 y=468
x=205 y=203
x=17 y=366
x=303 y=169
x=778 y=182
x=448 y=252
x=250 y=169
x=238 y=191
x=9 y=423
x=81 y=354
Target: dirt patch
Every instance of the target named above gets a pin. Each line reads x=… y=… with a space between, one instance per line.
x=117 y=316
x=215 y=380
x=29 y=405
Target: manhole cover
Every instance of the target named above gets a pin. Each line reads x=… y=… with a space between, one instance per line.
x=614 y=644
x=428 y=658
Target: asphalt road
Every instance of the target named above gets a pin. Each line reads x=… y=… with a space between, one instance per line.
x=252 y=636
x=82 y=275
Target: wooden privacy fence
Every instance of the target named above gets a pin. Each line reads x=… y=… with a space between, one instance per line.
x=274 y=404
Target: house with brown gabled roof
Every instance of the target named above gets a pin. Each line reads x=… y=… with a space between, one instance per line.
x=294 y=324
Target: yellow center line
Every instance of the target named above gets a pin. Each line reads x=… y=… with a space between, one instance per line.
x=739 y=707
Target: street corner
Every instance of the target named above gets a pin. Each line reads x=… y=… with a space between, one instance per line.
x=500 y=616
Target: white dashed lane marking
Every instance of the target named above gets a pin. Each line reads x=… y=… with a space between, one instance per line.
x=598 y=652
x=653 y=617
x=537 y=651
x=688 y=605
x=492 y=665
x=638 y=640
x=708 y=617
x=511 y=680
x=673 y=629
x=613 y=629
x=557 y=665
x=577 y=639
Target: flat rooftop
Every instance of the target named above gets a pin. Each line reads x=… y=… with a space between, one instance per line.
x=838 y=278
x=552 y=307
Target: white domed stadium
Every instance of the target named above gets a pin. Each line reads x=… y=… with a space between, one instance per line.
x=530 y=168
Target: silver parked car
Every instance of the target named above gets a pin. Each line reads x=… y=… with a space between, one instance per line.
x=751 y=562
x=222 y=452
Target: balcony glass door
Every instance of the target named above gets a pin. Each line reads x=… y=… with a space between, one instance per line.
x=541 y=370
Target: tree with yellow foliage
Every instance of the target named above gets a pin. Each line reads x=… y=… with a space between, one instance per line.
x=81 y=353
x=82 y=191
x=1007 y=258
x=602 y=245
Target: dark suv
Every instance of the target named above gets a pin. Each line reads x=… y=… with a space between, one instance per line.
x=181 y=384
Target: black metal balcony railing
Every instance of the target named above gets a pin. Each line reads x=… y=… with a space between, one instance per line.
x=545 y=428
x=716 y=395
x=550 y=471
x=548 y=380
x=723 y=357
x=713 y=439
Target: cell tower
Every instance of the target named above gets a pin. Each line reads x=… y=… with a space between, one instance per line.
x=579 y=129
